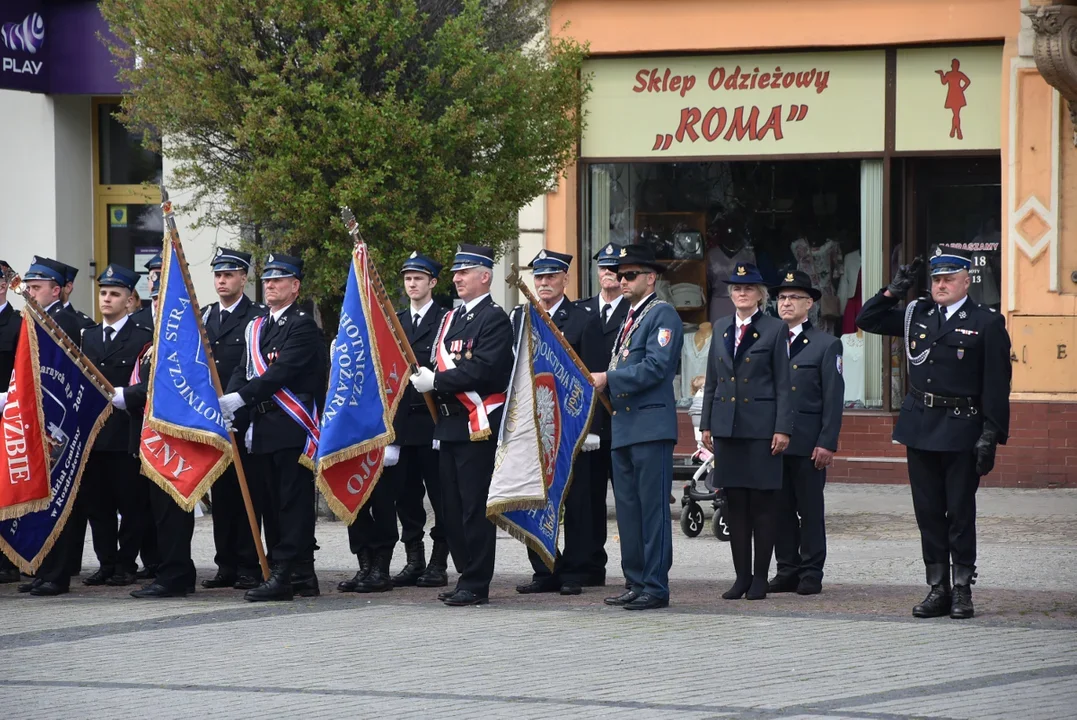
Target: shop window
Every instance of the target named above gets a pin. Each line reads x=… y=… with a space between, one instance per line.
x=824 y=217
x=123 y=159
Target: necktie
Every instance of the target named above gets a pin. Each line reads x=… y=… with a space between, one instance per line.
x=457 y=314
x=109 y=332
x=224 y=316
x=740 y=335
x=628 y=324
x=942 y=315
x=415 y=320
x=606 y=313
x=789 y=344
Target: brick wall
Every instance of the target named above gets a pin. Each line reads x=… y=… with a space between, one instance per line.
x=1041 y=452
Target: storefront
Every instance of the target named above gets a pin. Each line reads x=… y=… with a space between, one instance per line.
x=843 y=161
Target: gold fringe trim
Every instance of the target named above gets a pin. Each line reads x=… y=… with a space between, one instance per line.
x=504 y=506
x=34 y=563
x=527 y=539
x=187 y=504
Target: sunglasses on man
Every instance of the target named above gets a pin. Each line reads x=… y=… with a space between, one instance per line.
x=631 y=275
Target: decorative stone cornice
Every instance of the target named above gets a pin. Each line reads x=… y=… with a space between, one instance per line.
x=1055 y=49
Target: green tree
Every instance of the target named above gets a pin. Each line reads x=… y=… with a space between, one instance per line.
x=435 y=120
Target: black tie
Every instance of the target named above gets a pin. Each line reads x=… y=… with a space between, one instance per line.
x=415 y=320
x=459 y=313
x=224 y=316
x=109 y=332
x=942 y=315
x=606 y=313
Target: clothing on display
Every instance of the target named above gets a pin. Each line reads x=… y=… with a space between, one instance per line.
x=850 y=278
x=694 y=354
x=852 y=308
x=823 y=264
x=853 y=368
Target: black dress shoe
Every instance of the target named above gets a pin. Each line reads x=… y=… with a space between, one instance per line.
x=623 y=599
x=433 y=576
x=445 y=595
x=465 y=597
x=936 y=604
x=148 y=572
x=783 y=584
x=27 y=587
x=739 y=588
x=121 y=578
x=961 y=605
x=246 y=582
x=100 y=577
x=758 y=589
x=156 y=590
x=48 y=589
x=809 y=586
x=10 y=575
x=539 y=586
x=646 y=601
x=275 y=588
x=571 y=588
x=220 y=580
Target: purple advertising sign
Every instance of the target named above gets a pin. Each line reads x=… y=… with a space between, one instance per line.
x=53 y=47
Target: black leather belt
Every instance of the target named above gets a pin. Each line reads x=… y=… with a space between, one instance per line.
x=270 y=405
x=932 y=400
x=450 y=409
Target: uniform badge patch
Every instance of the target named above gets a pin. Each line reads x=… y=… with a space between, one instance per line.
x=840 y=364
x=664 y=335
x=960 y=353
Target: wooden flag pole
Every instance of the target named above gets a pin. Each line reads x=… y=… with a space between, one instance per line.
x=15 y=282
x=387 y=306
x=170 y=221
x=515 y=280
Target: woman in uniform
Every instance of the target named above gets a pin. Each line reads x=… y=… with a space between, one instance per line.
x=747 y=420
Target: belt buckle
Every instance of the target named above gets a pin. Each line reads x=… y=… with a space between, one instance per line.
x=929 y=400
x=443 y=410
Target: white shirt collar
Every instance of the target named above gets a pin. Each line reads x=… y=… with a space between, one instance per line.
x=46 y=308
x=67 y=304
x=638 y=305
x=951 y=309
x=421 y=312
x=613 y=303
x=275 y=316
x=470 y=304
x=552 y=310
x=117 y=326
x=3 y=306
x=744 y=322
x=233 y=306
x=796 y=331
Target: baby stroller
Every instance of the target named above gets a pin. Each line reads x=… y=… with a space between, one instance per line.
x=692 y=518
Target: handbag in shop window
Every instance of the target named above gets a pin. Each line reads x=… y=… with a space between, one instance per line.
x=688 y=245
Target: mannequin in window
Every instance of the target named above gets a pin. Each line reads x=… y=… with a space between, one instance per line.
x=728 y=248
x=694 y=353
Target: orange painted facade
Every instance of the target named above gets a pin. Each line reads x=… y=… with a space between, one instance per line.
x=1035 y=149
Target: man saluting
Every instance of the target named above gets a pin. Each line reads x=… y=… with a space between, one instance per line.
x=956 y=413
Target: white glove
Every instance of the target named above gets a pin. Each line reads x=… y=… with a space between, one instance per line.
x=117 y=399
x=3 y=400
x=591 y=442
x=392 y=455
x=248 y=437
x=436 y=445
x=230 y=403
x=423 y=381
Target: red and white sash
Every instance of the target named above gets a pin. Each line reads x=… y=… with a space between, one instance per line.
x=478 y=407
x=284 y=397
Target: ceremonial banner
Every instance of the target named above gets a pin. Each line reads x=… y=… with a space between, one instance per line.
x=60 y=411
x=366 y=380
x=549 y=411
x=185 y=446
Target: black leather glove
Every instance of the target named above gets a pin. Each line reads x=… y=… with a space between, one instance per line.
x=985 y=452
x=904 y=278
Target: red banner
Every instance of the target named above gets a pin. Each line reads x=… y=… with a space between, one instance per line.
x=182 y=464
x=25 y=467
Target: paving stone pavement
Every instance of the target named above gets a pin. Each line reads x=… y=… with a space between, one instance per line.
x=852 y=652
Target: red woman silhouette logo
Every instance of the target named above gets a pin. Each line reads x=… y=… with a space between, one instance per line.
x=956 y=83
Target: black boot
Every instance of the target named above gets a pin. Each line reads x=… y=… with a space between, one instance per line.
x=378 y=579
x=436 y=573
x=304 y=581
x=937 y=602
x=961 y=605
x=364 y=568
x=277 y=587
x=411 y=573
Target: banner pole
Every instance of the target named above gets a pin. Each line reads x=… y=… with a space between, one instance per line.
x=173 y=233
x=73 y=351
x=387 y=306
x=515 y=280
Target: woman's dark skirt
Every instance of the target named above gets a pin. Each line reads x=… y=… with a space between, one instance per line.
x=746 y=464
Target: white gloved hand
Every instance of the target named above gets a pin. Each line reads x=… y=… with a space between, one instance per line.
x=3 y=400
x=117 y=399
x=591 y=442
x=423 y=381
x=436 y=445
x=392 y=455
x=230 y=403
x=248 y=437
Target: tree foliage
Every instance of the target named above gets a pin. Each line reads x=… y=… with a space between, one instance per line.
x=435 y=120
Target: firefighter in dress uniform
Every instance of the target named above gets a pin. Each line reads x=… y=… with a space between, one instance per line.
x=226 y=322
x=281 y=364
x=473 y=361
x=608 y=311
x=573 y=566
x=956 y=413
